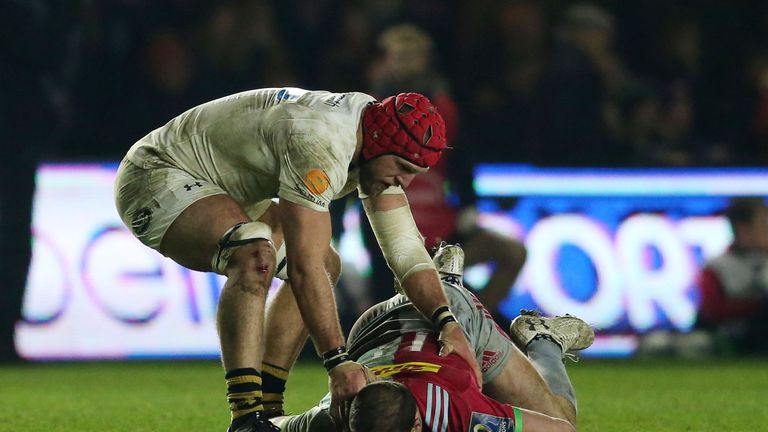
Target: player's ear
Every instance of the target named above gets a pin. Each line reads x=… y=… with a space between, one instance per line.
x=369 y=375
x=416 y=423
x=411 y=168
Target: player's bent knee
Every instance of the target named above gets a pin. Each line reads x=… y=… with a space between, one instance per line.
x=251 y=268
x=519 y=251
x=240 y=235
x=512 y=253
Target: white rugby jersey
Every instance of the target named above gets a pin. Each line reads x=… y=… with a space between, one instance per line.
x=276 y=142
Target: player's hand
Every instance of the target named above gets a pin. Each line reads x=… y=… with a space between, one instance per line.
x=452 y=340
x=344 y=381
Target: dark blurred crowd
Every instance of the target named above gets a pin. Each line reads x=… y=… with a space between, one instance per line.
x=547 y=82
x=551 y=82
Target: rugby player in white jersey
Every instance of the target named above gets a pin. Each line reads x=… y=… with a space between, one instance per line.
x=199 y=190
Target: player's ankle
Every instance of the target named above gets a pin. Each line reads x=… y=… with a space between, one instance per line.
x=274 y=379
x=544 y=338
x=244 y=393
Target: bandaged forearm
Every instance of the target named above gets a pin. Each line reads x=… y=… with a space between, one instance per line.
x=400 y=241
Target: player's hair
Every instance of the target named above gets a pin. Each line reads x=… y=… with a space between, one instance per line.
x=383 y=406
x=743 y=209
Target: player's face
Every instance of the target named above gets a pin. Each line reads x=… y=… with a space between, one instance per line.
x=385 y=171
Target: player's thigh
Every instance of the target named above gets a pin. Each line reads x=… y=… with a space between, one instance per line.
x=519 y=383
x=192 y=239
x=174 y=213
x=267 y=211
x=492 y=345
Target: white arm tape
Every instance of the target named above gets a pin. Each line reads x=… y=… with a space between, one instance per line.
x=392 y=190
x=400 y=241
x=239 y=235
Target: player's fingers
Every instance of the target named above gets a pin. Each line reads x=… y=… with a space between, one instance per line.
x=469 y=356
x=344 y=412
x=478 y=374
x=445 y=348
x=336 y=413
x=341 y=413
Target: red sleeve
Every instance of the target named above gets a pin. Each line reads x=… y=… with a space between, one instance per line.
x=715 y=306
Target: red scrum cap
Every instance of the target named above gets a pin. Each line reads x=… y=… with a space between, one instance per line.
x=406 y=125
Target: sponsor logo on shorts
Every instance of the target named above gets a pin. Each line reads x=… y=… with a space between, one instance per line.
x=316 y=181
x=451 y=279
x=335 y=101
x=309 y=197
x=489 y=359
x=384 y=371
x=140 y=220
x=488 y=423
x=189 y=187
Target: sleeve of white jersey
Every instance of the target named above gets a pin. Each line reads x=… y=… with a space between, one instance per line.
x=309 y=175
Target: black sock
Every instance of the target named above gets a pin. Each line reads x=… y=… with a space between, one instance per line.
x=244 y=392
x=273 y=387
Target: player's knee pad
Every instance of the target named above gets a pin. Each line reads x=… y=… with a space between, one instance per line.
x=235 y=237
x=281 y=260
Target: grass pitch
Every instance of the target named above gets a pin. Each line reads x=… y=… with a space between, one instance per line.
x=613 y=396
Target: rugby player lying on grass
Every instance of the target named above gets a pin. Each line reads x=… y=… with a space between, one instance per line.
x=422 y=390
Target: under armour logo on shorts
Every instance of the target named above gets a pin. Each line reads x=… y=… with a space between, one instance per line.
x=195 y=184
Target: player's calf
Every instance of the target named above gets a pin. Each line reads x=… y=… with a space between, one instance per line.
x=546 y=341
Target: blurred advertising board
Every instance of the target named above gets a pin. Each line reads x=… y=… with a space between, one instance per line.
x=620 y=248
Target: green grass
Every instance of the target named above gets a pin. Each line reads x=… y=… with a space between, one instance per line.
x=613 y=396
x=672 y=395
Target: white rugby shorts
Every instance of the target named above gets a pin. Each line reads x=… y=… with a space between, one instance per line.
x=149 y=200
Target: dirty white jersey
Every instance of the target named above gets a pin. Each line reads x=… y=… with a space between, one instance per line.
x=260 y=144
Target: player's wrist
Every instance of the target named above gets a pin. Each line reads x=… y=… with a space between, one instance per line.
x=335 y=357
x=442 y=316
x=453 y=325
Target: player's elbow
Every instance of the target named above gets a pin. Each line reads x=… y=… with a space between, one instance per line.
x=564 y=426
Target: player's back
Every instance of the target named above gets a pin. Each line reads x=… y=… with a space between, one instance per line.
x=445 y=388
x=240 y=142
